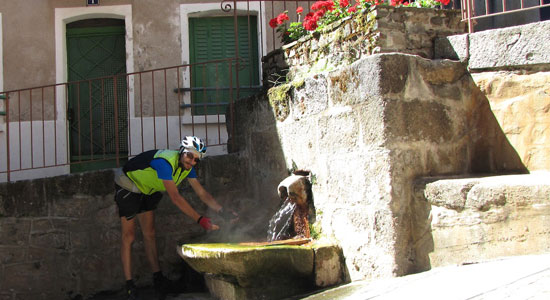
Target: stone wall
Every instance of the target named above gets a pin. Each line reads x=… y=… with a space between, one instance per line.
x=60 y=236
x=520 y=101
x=367 y=125
x=365 y=141
x=383 y=29
x=511 y=68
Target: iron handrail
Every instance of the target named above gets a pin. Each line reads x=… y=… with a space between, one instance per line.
x=31 y=123
x=223 y=88
x=470 y=13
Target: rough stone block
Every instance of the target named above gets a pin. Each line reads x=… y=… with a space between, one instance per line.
x=328 y=269
x=21 y=283
x=56 y=240
x=487 y=217
x=98 y=183
x=513 y=46
x=339 y=125
x=439 y=73
x=14 y=231
x=23 y=199
x=449 y=193
x=394 y=73
x=510 y=95
x=68 y=207
x=418 y=121
x=453 y=47
x=310 y=97
x=6 y=295
x=447 y=159
x=252 y=272
x=11 y=255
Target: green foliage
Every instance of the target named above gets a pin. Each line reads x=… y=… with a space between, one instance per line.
x=293 y=168
x=313 y=179
x=424 y=3
x=295 y=32
x=315 y=231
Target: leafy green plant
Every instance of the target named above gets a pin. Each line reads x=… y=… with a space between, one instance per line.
x=315 y=231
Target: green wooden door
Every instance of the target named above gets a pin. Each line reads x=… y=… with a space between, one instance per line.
x=95 y=52
x=214 y=84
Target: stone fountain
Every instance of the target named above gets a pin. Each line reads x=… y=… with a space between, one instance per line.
x=290 y=263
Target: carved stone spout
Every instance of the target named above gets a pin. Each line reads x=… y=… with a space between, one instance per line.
x=297 y=188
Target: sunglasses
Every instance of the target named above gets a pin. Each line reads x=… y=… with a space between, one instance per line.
x=192 y=157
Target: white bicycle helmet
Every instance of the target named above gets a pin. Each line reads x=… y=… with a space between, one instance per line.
x=194 y=144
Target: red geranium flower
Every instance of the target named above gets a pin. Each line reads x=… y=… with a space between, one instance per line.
x=281 y=18
x=310 y=22
x=323 y=5
x=318 y=15
x=395 y=2
x=299 y=10
x=344 y=3
x=310 y=25
x=445 y=2
x=273 y=23
x=317 y=5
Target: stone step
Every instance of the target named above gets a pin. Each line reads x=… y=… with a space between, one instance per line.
x=485 y=217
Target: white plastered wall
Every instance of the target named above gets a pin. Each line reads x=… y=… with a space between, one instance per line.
x=3 y=154
x=1 y=58
x=32 y=156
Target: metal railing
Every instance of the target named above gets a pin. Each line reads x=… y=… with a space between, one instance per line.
x=67 y=127
x=473 y=10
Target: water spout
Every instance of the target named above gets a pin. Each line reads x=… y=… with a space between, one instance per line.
x=292 y=218
x=279 y=225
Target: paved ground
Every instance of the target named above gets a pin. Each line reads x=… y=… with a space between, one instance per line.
x=517 y=278
x=514 y=278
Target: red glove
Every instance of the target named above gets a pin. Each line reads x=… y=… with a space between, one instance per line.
x=205 y=222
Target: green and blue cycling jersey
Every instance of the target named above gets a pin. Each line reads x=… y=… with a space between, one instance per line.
x=148 y=169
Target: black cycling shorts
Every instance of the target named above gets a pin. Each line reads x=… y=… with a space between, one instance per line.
x=130 y=204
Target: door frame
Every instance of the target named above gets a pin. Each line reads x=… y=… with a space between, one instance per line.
x=63 y=16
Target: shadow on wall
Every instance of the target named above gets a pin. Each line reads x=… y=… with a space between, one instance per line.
x=247 y=178
x=490 y=153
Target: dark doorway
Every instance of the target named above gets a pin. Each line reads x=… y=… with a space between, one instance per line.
x=97 y=100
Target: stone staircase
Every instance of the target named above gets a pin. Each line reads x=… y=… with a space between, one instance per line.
x=473 y=219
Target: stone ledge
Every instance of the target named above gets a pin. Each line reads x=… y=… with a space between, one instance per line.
x=483 y=192
x=484 y=217
x=501 y=48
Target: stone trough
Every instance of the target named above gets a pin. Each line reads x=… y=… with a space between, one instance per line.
x=271 y=270
x=275 y=269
